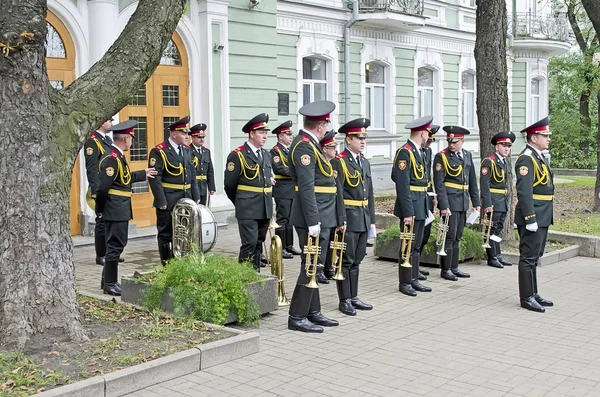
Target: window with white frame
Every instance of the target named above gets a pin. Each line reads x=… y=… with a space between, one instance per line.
x=534 y=100
x=467 y=94
x=375 y=94
x=314 y=79
x=425 y=92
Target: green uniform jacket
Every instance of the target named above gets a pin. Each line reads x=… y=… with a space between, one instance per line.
x=315 y=198
x=248 y=183
x=176 y=178
x=535 y=189
x=409 y=175
x=205 y=172
x=493 y=176
x=113 y=197
x=95 y=147
x=284 y=186
x=357 y=187
x=455 y=181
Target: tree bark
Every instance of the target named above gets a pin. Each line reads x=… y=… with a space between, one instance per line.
x=596 y=206
x=592 y=8
x=42 y=131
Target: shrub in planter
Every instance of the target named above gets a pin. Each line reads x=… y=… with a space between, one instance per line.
x=207 y=288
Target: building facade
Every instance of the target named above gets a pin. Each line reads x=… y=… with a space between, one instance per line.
x=392 y=61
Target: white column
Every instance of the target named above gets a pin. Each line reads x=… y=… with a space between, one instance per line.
x=103 y=28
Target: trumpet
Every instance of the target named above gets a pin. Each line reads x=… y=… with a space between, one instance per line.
x=311 y=250
x=486 y=223
x=276 y=250
x=406 y=240
x=338 y=245
x=442 y=230
x=272 y=226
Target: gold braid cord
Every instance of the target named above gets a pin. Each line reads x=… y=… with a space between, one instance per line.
x=283 y=162
x=542 y=175
x=498 y=175
x=167 y=164
x=244 y=166
x=195 y=162
x=349 y=177
x=319 y=158
x=100 y=148
x=419 y=170
x=124 y=175
x=453 y=172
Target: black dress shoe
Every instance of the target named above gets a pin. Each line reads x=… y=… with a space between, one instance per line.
x=112 y=289
x=422 y=277
x=542 y=301
x=286 y=255
x=292 y=250
x=304 y=325
x=360 y=305
x=100 y=260
x=263 y=259
x=407 y=289
x=263 y=264
x=369 y=244
x=121 y=260
x=329 y=273
x=459 y=273
x=495 y=263
x=448 y=275
x=347 y=308
x=424 y=272
x=502 y=261
x=531 y=304
x=321 y=278
x=319 y=319
x=417 y=286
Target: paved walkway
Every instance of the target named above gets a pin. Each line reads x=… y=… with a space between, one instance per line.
x=466 y=338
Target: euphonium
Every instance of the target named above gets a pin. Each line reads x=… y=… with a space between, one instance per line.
x=486 y=223
x=338 y=245
x=186 y=227
x=311 y=250
x=442 y=230
x=276 y=252
x=407 y=237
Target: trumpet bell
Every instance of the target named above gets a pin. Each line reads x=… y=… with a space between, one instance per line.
x=312 y=283
x=442 y=253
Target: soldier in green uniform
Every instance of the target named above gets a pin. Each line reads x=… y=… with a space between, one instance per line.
x=176 y=179
x=113 y=200
x=455 y=180
x=534 y=211
x=410 y=176
x=283 y=191
x=428 y=156
x=248 y=184
x=329 y=147
x=316 y=209
x=95 y=147
x=352 y=172
x=205 y=173
x=494 y=194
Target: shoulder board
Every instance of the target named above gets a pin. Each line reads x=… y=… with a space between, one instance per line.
x=305 y=139
x=407 y=145
x=444 y=151
x=527 y=152
x=238 y=149
x=161 y=146
x=492 y=157
x=276 y=147
x=94 y=136
x=202 y=147
x=115 y=154
x=341 y=155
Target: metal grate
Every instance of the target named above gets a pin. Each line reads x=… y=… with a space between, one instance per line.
x=55 y=48
x=140 y=187
x=544 y=27
x=170 y=55
x=411 y=7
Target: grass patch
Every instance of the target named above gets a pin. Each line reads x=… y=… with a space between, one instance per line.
x=20 y=376
x=580 y=224
x=580 y=181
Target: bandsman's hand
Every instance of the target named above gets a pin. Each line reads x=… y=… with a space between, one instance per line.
x=341 y=228
x=273 y=181
x=197 y=201
x=532 y=227
x=164 y=207
x=487 y=210
x=150 y=172
x=446 y=212
x=100 y=216
x=478 y=209
x=408 y=220
x=211 y=192
x=93 y=196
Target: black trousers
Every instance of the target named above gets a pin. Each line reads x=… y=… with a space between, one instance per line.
x=116 y=240
x=100 y=237
x=356 y=249
x=252 y=234
x=283 y=209
x=426 y=235
x=531 y=247
x=456 y=225
x=203 y=199
x=164 y=226
x=498 y=219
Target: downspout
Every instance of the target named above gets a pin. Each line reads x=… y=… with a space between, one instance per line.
x=353 y=19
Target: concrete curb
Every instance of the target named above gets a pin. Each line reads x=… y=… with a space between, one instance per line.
x=144 y=375
x=588 y=245
x=548 y=258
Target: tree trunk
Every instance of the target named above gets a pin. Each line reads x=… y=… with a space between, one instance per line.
x=592 y=8
x=597 y=188
x=586 y=122
x=42 y=131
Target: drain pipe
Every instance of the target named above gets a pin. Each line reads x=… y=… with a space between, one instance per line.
x=353 y=19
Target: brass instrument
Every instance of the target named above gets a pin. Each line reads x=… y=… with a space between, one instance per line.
x=272 y=226
x=338 y=246
x=91 y=202
x=407 y=236
x=442 y=230
x=311 y=250
x=194 y=227
x=486 y=223
x=275 y=255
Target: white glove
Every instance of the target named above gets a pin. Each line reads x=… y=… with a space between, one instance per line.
x=372 y=232
x=314 y=230
x=532 y=227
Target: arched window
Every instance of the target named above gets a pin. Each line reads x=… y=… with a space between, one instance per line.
x=170 y=55
x=375 y=94
x=467 y=95
x=425 y=92
x=55 y=48
x=534 y=100
x=314 y=79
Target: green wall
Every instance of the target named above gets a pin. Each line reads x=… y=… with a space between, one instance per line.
x=451 y=88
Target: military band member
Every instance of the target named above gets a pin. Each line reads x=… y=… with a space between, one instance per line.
x=534 y=211
x=410 y=176
x=329 y=147
x=176 y=179
x=494 y=194
x=248 y=184
x=205 y=173
x=352 y=172
x=316 y=209
x=283 y=191
x=455 y=179
x=95 y=147
x=113 y=200
x=428 y=156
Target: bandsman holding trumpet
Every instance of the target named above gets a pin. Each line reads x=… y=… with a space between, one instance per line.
x=352 y=172
x=316 y=209
x=329 y=147
x=205 y=173
x=455 y=181
x=410 y=176
x=534 y=211
x=248 y=184
x=494 y=195
x=428 y=155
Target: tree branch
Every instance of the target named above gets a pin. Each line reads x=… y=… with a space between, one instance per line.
x=571 y=14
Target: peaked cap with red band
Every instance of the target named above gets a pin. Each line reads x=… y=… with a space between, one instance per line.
x=455 y=133
x=124 y=128
x=284 y=128
x=433 y=129
x=420 y=124
x=180 y=125
x=259 y=122
x=356 y=127
x=318 y=111
x=505 y=137
x=198 y=130
x=328 y=139
x=541 y=127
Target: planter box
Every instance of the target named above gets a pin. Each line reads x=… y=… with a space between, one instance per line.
x=390 y=250
x=264 y=292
